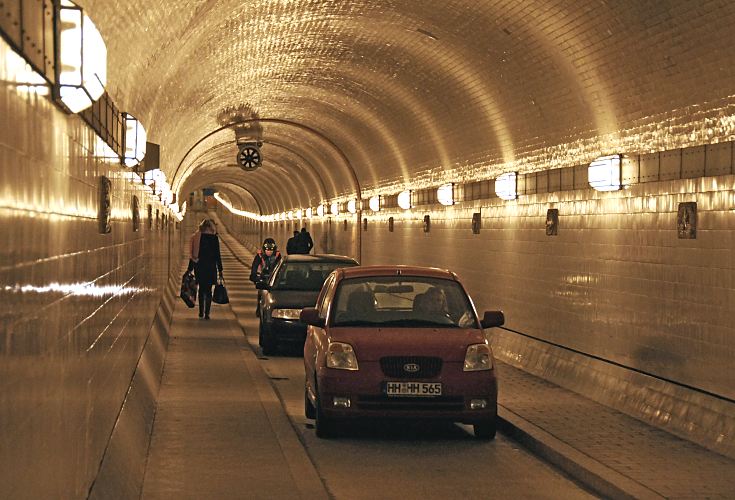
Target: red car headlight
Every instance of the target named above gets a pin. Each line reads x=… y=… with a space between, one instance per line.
x=478 y=357
x=341 y=356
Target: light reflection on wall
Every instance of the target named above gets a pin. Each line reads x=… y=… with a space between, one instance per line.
x=14 y=70
x=78 y=289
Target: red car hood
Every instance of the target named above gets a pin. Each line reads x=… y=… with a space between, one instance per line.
x=371 y=344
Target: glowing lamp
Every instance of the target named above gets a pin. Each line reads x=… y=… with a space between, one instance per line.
x=290 y=215
x=404 y=199
x=603 y=174
x=320 y=210
x=334 y=209
x=506 y=186
x=445 y=194
x=309 y=213
x=375 y=203
x=135 y=139
x=352 y=206
x=299 y=213
x=82 y=58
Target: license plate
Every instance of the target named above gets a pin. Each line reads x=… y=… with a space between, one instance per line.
x=413 y=389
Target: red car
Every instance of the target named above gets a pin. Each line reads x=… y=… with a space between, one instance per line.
x=398 y=341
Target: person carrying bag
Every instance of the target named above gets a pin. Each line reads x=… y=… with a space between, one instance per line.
x=219 y=296
x=206 y=261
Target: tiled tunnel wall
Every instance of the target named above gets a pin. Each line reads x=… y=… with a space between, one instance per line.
x=81 y=324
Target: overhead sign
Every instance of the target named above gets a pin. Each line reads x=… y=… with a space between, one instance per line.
x=248 y=156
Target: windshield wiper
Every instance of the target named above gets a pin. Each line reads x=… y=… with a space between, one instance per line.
x=416 y=322
x=357 y=322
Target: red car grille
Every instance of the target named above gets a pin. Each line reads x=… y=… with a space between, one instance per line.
x=441 y=403
x=414 y=367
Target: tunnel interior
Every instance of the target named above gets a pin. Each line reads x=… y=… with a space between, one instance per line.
x=626 y=295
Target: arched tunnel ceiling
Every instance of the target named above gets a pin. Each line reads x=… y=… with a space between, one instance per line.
x=409 y=92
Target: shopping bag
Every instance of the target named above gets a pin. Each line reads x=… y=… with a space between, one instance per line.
x=220 y=293
x=188 y=291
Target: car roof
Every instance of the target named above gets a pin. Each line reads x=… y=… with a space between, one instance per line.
x=320 y=257
x=369 y=271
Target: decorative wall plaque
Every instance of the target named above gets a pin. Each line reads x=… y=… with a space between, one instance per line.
x=476 y=223
x=686 y=220
x=552 y=222
x=105 y=207
x=136 y=213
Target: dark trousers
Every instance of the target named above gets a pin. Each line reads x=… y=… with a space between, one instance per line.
x=205 y=299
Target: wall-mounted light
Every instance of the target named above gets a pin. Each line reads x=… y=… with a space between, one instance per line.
x=290 y=215
x=506 y=186
x=334 y=209
x=82 y=59
x=445 y=194
x=135 y=140
x=299 y=213
x=375 y=203
x=352 y=206
x=320 y=210
x=404 y=199
x=603 y=174
x=309 y=213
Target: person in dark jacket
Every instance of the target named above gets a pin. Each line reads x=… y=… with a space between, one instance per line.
x=304 y=243
x=207 y=263
x=292 y=244
x=263 y=264
x=265 y=261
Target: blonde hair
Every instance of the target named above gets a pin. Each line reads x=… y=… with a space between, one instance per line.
x=207 y=224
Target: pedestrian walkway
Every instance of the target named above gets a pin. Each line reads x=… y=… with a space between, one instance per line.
x=615 y=453
x=220 y=430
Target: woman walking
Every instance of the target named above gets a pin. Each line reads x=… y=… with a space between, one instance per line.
x=207 y=263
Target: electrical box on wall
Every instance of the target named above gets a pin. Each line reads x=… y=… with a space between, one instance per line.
x=686 y=220
x=476 y=223
x=552 y=222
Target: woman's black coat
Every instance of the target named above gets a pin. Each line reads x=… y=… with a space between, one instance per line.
x=210 y=260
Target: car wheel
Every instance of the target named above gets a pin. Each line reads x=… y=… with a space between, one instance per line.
x=267 y=343
x=309 y=410
x=485 y=430
x=324 y=425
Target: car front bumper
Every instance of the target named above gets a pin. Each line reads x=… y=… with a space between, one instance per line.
x=286 y=330
x=361 y=393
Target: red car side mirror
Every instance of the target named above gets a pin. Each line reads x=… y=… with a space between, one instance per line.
x=310 y=316
x=492 y=318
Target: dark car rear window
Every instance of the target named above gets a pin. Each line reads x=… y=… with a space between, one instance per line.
x=306 y=276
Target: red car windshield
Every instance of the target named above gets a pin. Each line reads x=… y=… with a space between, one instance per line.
x=402 y=301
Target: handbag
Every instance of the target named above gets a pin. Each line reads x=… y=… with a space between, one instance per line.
x=219 y=296
x=188 y=292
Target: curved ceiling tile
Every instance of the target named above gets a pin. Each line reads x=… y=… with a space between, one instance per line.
x=276 y=170
x=263 y=186
x=423 y=90
x=296 y=164
x=266 y=194
x=239 y=197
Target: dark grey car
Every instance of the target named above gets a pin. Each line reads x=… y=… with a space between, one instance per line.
x=294 y=284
